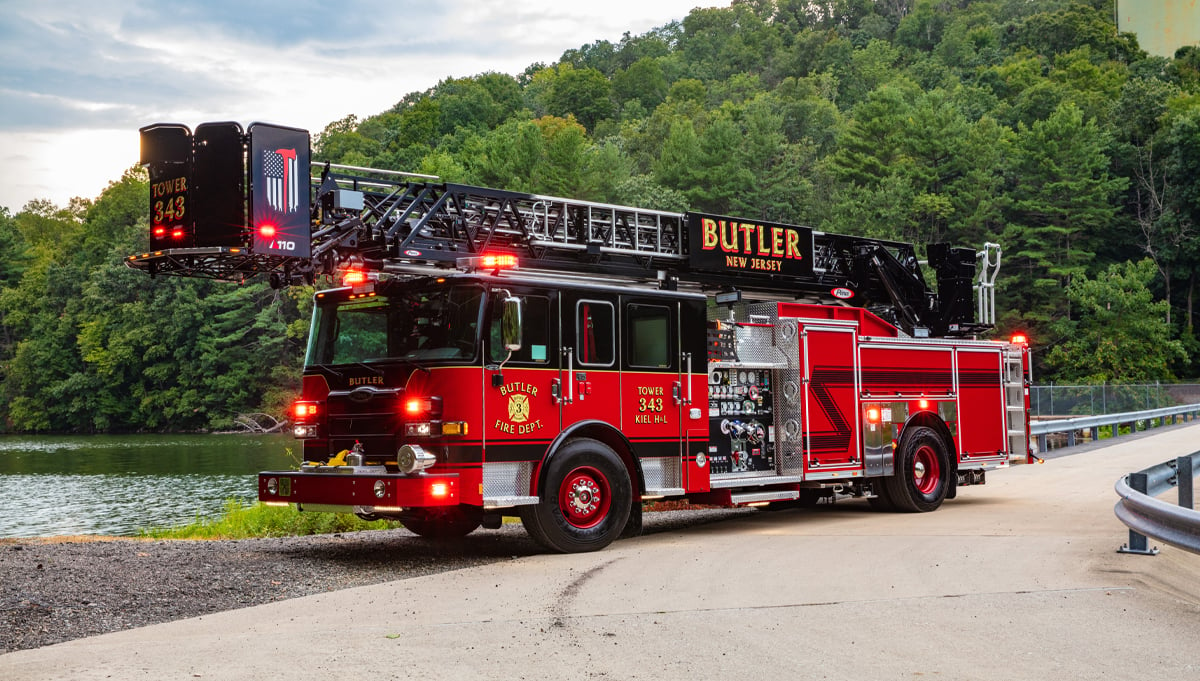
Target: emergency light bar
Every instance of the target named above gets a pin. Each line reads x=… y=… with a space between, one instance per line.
x=494 y=261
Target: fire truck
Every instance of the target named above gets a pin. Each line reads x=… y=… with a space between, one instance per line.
x=495 y=354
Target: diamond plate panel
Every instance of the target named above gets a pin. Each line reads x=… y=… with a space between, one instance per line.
x=507 y=479
x=662 y=473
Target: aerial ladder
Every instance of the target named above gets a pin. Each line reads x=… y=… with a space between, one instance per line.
x=233 y=204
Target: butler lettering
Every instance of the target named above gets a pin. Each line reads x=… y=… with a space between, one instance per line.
x=748 y=238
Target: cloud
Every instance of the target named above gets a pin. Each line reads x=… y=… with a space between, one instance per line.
x=82 y=65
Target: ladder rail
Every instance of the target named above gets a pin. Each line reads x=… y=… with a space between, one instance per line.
x=371 y=217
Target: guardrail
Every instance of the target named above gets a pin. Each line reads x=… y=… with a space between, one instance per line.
x=1072 y=426
x=1146 y=516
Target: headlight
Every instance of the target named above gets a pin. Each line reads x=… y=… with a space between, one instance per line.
x=380 y=489
x=304 y=431
x=272 y=486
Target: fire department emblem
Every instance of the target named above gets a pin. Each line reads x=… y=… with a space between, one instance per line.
x=518 y=408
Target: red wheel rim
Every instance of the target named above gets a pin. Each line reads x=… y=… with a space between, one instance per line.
x=926 y=471
x=584 y=497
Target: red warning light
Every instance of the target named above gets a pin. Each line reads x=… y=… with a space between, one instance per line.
x=304 y=410
x=1019 y=339
x=354 y=278
x=177 y=233
x=159 y=230
x=266 y=230
x=873 y=415
x=499 y=261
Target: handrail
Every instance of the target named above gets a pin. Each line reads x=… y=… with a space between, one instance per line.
x=1070 y=426
x=1146 y=516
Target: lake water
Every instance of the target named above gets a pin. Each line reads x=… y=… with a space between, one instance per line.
x=119 y=484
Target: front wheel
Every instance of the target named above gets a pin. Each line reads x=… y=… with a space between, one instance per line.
x=585 y=501
x=923 y=471
x=448 y=522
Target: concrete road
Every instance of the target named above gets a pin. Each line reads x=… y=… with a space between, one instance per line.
x=1018 y=579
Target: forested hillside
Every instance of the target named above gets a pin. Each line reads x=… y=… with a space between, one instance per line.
x=1032 y=124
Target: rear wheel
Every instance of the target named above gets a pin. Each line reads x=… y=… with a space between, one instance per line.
x=881 y=501
x=922 y=476
x=448 y=522
x=585 y=500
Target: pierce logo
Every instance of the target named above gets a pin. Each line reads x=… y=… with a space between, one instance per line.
x=842 y=293
x=412 y=254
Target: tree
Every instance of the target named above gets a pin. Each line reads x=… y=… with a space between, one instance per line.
x=1118 y=331
x=644 y=81
x=1063 y=206
x=583 y=93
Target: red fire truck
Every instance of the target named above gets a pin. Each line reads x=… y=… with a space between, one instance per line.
x=493 y=353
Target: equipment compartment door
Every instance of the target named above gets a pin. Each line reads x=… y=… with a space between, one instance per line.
x=981 y=406
x=830 y=401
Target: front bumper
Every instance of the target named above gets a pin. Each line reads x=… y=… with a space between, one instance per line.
x=358 y=489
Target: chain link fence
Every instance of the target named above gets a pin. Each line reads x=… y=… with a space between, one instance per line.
x=1108 y=398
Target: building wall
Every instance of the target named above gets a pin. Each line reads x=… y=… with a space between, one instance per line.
x=1161 y=26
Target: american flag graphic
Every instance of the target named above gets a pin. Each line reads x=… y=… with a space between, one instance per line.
x=279 y=170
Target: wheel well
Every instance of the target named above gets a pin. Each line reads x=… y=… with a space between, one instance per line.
x=931 y=420
x=606 y=434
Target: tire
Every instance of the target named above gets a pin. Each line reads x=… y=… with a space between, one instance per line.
x=586 y=499
x=881 y=501
x=449 y=522
x=923 y=471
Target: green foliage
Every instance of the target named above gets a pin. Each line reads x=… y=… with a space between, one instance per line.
x=1033 y=124
x=242 y=521
x=1118 y=332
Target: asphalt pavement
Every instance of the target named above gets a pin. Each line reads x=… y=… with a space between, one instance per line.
x=1017 y=579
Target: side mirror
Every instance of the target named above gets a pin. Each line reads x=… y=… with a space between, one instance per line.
x=510 y=324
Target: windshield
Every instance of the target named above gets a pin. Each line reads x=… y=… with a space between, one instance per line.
x=414 y=324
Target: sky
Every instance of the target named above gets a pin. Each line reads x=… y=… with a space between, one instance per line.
x=80 y=76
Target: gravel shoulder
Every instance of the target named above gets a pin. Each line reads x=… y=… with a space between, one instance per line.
x=60 y=589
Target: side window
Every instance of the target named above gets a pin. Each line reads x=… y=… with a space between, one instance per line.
x=595 y=333
x=649 y=336
x=535 y=332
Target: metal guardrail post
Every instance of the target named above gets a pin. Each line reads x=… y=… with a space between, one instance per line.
x=1137 y=542
x=1185 y=478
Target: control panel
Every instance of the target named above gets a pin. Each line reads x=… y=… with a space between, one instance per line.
x=741 y=421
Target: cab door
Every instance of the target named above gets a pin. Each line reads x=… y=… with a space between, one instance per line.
x=652 y=387
x=590 y=377
x=521 y=413
x=653 y=391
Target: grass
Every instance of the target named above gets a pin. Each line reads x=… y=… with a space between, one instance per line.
x=241 y=521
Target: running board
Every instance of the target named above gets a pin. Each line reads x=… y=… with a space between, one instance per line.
x=763 y=497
